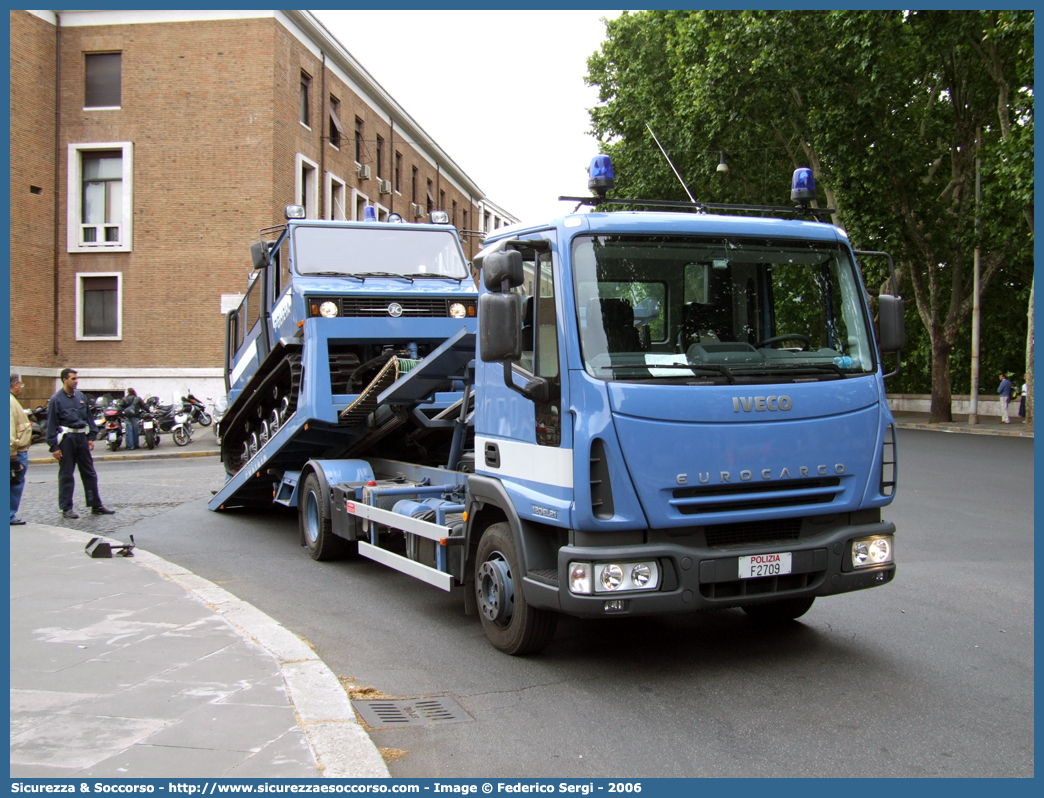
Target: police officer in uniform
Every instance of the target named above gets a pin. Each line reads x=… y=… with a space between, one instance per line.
x=71 y=433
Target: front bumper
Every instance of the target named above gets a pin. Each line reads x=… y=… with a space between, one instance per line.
x=700 y=577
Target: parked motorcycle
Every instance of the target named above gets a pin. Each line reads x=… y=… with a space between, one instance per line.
x=220 y=408
x=38 y=418
x=172 y=418
x=113 y=429
x=149 y=429
x=198 y=411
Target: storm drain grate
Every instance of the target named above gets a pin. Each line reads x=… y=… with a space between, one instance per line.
x=410 y=711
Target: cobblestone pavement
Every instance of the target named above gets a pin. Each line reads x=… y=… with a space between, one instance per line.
x=135 y=489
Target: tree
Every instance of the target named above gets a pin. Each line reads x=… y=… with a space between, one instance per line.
x=886 y=107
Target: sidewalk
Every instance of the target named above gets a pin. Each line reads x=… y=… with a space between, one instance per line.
x=135 y=667
x=988 y=425
x=203 y=444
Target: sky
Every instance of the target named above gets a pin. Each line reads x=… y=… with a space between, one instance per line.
x=502 y=92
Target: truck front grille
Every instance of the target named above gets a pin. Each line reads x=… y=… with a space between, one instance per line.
x=755 y=495
x=753 y=533
x=412 y=307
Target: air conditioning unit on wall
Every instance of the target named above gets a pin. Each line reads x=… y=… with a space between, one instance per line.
x=418 y=210
x=384 y=186
x=363 y=171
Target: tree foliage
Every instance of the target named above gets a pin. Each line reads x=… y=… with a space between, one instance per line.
x=890 y=109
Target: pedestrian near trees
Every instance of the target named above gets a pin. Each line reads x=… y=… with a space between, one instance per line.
x=21 y=437
x=1005 y=390
x=71 y=433
x=1022 y=398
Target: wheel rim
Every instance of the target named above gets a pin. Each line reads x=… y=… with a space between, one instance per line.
x=496 y=590
x=311 y=519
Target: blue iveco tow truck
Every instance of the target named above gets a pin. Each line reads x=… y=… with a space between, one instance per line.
x=660 y=412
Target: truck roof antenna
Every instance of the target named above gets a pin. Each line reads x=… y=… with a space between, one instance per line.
x=665 y=155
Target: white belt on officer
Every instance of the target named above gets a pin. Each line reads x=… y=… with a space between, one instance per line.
x=63 y=431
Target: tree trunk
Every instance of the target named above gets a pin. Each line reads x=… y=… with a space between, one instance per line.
x=941 y=410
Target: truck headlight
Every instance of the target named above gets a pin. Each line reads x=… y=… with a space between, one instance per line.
x=613 y=577
x=868 y=552
x=328 y=310
x=457 y=310
x=610 y=577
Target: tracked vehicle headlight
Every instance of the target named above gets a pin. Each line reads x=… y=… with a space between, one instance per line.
x=328 y=310
x=457 y=310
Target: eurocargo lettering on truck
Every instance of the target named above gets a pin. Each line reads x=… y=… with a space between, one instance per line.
x=623 y=413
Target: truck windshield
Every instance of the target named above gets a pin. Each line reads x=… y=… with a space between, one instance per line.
x=389 y=250
x=695 y=310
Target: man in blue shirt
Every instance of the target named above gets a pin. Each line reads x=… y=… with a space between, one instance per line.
x=1005 y=396
x=71 y=433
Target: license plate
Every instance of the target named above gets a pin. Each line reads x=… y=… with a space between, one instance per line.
x=147 y=425
x=764 y=565
x=112 y=436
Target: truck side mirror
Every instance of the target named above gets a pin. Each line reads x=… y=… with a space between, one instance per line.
x=499 y=266
x=500 y=327
x=891 y=323
x=259 y=254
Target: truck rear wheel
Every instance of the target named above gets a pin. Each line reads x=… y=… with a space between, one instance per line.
x=507 y=619
x=780 y=611
x=313 y=514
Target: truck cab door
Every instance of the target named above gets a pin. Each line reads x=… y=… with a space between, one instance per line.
x=526 y=440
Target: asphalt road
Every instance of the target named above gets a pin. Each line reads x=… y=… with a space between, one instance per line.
x=931 y=675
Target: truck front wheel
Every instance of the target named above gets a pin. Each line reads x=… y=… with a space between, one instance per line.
x=779 y=611
x=313 y=515
x=509 y=622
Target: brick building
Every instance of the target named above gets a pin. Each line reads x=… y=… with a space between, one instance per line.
x=147 y=150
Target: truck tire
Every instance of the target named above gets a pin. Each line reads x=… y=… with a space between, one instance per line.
x=313 y=515
x=507 y=619
x=781 y=610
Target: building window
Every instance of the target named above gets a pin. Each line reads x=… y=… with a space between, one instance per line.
x=430 y=198
x=335 y=198
x=358 y=140
x=336 y=128
x=102 y=80
x=380 y=156
x=464 y=220
x=99 y=197
x=442 y=200
x=359 y=201
x=306 y=186
x=454 y=219
x=413 y=186
x=398 y=173
x=306 y=106
x=99 y=301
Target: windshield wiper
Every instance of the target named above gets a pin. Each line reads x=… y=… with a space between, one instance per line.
x=385 y=274
x=434 y=275
x=330 y=274
x=833 y=368
x=714 y=368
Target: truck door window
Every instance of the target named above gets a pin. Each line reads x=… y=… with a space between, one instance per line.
x=540 y=341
